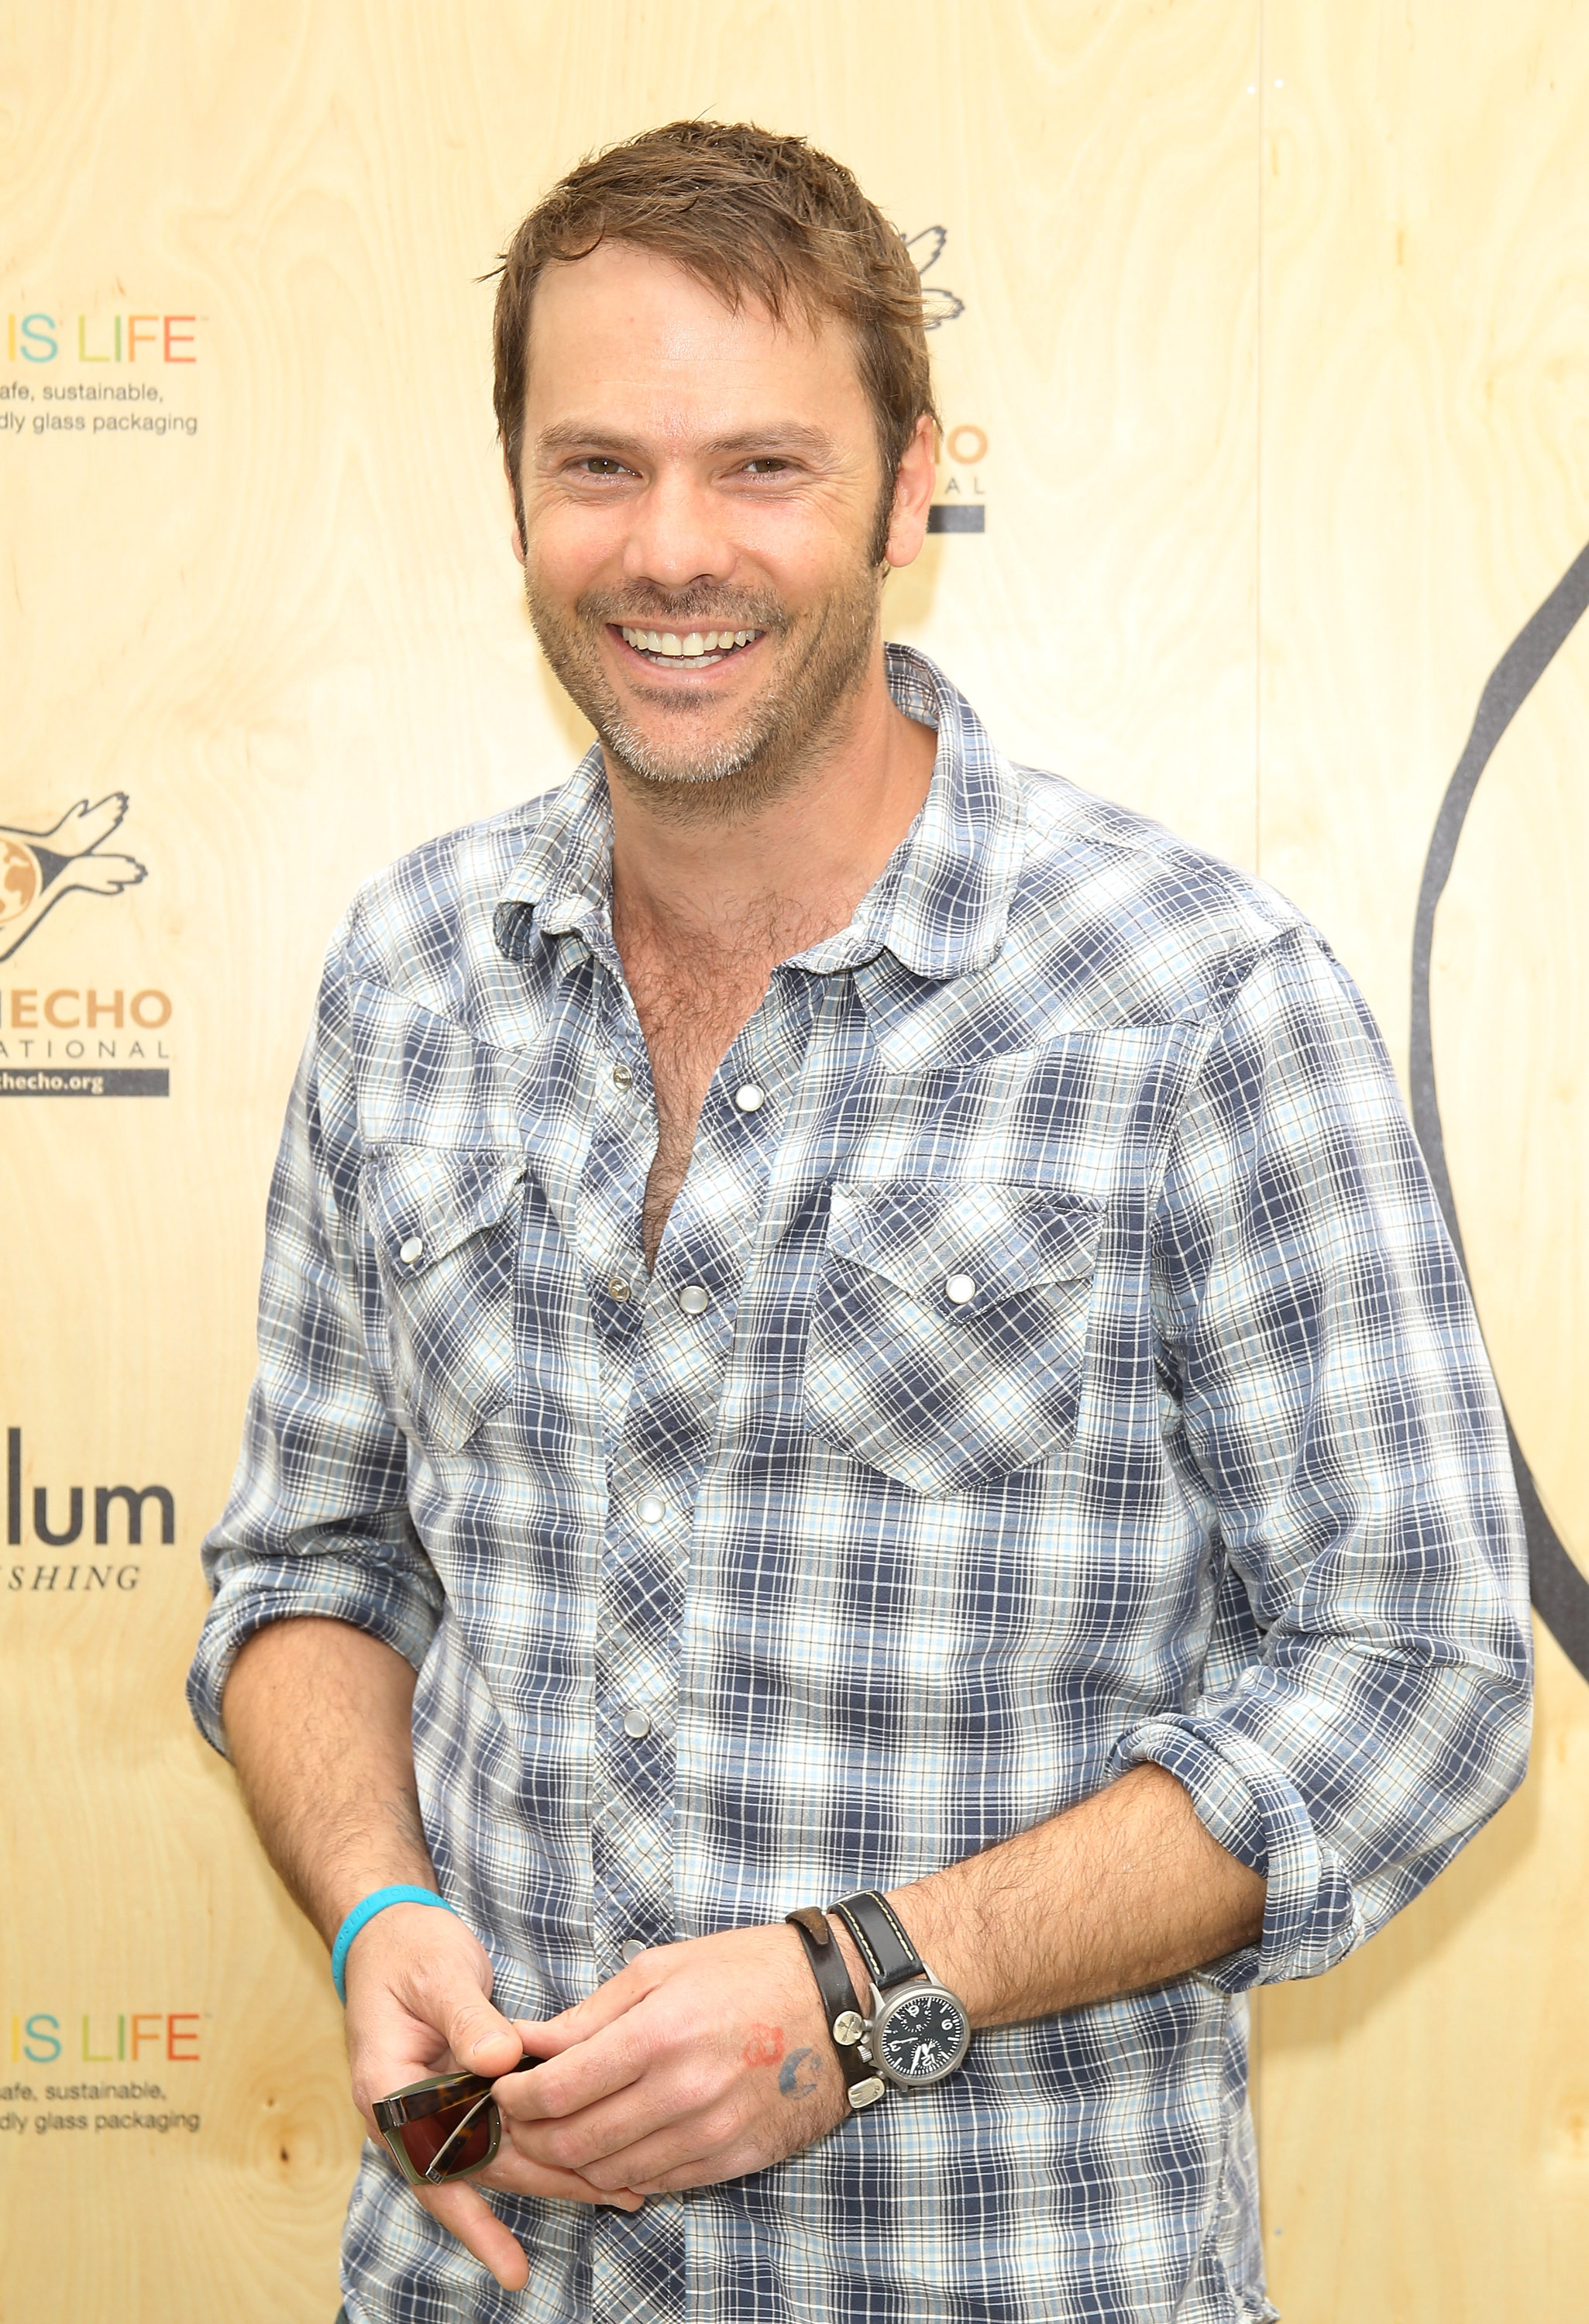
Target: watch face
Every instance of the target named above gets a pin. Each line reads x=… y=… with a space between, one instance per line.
x=923 y=2036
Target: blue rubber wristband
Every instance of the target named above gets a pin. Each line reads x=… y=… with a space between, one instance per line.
x=375 y=1902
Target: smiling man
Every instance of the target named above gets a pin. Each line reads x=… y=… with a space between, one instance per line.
x=848 y=1331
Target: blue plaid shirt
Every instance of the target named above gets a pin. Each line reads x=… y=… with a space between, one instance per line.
x=1206 y=1470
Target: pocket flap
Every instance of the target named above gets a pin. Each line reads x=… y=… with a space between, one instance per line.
x=422 y=1202
x=962 y=1248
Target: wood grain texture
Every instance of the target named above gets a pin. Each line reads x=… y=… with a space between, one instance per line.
x=1425 y=394
x=296 y=641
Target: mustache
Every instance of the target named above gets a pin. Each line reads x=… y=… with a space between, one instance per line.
x=701 y=606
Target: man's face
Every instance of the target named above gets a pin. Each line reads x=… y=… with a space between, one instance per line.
x=701 y=492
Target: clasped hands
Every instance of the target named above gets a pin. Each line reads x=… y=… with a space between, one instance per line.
x=698 y=2062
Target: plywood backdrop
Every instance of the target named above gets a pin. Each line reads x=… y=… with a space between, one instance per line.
x=1270 y=374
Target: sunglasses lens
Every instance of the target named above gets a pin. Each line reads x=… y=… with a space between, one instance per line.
x=456 y=2139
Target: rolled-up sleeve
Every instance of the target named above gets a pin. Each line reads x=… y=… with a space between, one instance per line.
x=318 y=1521
x=1332 y=1415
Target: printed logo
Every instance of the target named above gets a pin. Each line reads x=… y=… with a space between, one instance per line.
x=35 y=338
x=1558 y=1583
x=44 y=2037
x=74 y=1041
x=117 y=1513
x=38 y=868
x=45 y=347
x=938 y=305
x=963 y=508
x=131 y=2044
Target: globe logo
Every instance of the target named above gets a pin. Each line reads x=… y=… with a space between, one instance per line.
x=20 y=878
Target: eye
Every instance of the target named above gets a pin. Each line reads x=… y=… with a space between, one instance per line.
x=766 y=464
x=601 y=465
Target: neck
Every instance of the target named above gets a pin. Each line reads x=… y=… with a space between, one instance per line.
x=790 y=870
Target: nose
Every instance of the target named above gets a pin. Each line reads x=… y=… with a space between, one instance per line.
x=677 y=534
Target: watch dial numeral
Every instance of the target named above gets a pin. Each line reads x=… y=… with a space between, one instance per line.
x=925 y=2037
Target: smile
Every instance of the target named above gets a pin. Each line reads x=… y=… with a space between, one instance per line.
x=701 y=648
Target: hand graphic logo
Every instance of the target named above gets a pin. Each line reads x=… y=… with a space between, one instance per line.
x=38 y=868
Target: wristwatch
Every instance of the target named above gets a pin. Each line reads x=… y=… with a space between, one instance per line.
x=846 y=2024
x=918 y=2031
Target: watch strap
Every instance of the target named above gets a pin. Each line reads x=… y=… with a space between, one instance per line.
x=890 y=1956
x=843 y=2012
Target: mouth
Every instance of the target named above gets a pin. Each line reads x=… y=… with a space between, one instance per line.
x=686 y=648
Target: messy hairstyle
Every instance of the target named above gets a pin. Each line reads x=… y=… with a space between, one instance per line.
x=752 y=216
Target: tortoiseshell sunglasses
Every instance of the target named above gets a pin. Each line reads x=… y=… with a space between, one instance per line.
x=445 y=2128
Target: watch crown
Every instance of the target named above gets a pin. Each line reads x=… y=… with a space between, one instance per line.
x=848 y=2027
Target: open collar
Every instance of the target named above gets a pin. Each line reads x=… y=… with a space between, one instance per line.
x=940 y=907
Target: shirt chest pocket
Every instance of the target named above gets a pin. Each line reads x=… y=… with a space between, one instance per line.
x=445 y=1226
x=948 y=1330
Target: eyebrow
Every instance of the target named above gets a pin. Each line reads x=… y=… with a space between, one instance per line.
x=567 y=436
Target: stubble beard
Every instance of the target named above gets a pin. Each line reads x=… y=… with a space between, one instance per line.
x=825 y=655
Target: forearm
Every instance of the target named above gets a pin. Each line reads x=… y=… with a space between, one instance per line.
x=709 y=2058
x=1122 y=1892
x=317 y=1718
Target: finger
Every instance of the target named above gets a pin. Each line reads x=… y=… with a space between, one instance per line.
x=581 y=2076
x=544 y=2037
x=597 y=2141
x=680 y=2156
x=610 y=2001
x=468 y=2217
x=513 y=2174
x=708 y=2172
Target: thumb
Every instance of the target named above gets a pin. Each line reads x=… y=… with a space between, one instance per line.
x=480 y=2037
x=444 y=1978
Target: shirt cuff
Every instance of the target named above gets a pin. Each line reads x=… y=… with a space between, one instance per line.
x=342 y=1586
x=1311 y=1918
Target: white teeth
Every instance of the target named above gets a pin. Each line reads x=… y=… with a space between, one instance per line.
x=693 y=647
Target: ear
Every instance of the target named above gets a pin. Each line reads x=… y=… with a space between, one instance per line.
x=516 y=537
x=913 y=490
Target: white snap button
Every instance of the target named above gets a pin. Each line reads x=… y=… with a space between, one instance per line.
x=751 y=1099
x=622 y=1077
x=618 y=1287
x=650 y=1511
x=958 y=1289
x=637 y=1724
x=411 y=1249
x=695 y=1299
x=632 y=1947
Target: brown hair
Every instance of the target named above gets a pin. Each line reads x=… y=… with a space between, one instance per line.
x=752 y=216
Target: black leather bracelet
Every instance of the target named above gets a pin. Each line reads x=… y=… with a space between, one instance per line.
x=847 y=2021
x=880 y=1938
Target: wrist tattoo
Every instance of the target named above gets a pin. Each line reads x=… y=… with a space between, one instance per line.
x=799 y=2073
x=764 y=2045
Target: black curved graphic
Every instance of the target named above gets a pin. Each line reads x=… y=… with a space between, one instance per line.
x=1560 y=1591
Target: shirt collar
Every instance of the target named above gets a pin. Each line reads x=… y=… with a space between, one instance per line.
x=561 y=886
x=940 y=907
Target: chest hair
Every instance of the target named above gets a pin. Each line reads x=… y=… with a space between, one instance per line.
x=692 y=999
